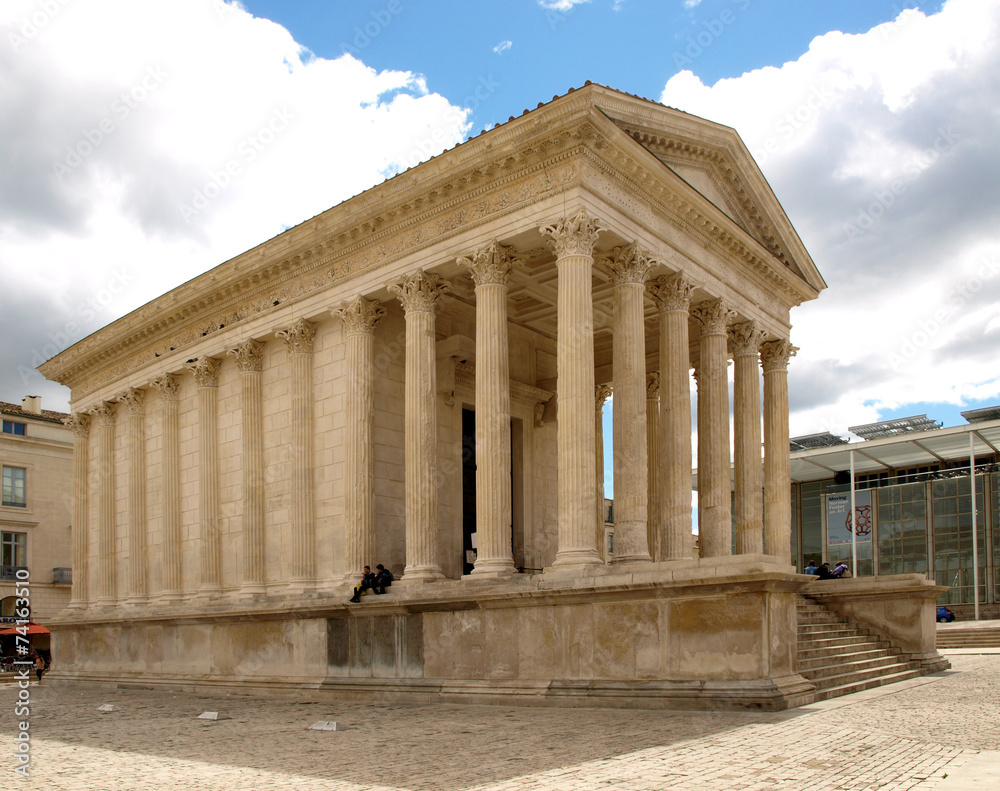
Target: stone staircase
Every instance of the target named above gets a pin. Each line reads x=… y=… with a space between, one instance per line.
x=841 y=658
x=955 y=636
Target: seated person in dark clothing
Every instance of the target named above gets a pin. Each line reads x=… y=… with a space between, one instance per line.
x=823 y=572
x=367 y=582
x=383 y=579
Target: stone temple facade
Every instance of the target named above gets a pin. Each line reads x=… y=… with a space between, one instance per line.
x=415 y=377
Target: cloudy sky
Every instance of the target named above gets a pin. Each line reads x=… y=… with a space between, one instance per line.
x=145 y=141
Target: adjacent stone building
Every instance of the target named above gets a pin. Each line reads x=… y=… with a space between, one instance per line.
x=36 y=456
x=415 y=377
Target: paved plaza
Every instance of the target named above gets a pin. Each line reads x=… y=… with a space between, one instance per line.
x=939 y=732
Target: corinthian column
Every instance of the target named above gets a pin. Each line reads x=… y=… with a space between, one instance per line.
x=601 y=393
x=715 y=512
x=419 y=294
x=777 y=475
x=655 y=479
x=360 y=318
x=206 y=374
x=747 y=471
x=138 y=585
x=299 y=339
x=490 y=268
x=107 y=588
x=250 y=361
x=171 y=464
x=574 y=238
x=672 y=296
x=79 y=424
x=628 y=267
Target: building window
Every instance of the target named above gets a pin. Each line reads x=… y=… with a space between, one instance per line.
x=15 y=554
x=902 y=529
x=10 y=427
x=952 y=523
x=13 y=486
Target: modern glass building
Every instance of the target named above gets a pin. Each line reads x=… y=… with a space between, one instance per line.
x=913 y=510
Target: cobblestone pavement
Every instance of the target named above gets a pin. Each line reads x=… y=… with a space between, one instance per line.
x=938 y=733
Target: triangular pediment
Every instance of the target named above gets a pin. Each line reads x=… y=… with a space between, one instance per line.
x=712 y=160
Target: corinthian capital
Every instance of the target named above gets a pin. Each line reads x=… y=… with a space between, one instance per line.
x=205 y=370
x=249 y=356
x=420 y=291
x=299 y=337
x=133 y=400
x=574 y=235
x=628 y=264
x=359 y=315
x=492 y=264
x=601 y=393
x=714 y=316
x=671 y=292
x=103 y=414
x=652 y=385
x=746 y=338
x=78 y=423
x=774 y=355
x=167 y=385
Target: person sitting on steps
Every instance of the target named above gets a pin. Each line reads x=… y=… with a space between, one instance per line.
x=367 y=582
x=383 y=579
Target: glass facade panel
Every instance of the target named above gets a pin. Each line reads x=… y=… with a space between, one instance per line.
x=810 y=517
x=902 y=529
x=952 y=525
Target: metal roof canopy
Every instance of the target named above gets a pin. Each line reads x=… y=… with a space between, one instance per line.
x=913 y=449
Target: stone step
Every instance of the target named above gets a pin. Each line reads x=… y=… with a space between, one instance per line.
x=828 y=629
x=808 y=653
x=849 y=666
x=823 y=659
x=858 y=686
x=861 y=676
x=969 y=639
x=828 y=642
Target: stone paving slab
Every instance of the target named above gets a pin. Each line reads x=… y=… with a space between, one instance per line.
x=936 y=733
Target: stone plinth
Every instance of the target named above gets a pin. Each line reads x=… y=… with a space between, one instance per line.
x=705 y=634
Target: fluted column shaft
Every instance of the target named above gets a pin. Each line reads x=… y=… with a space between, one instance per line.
x=777 y=473
x=574 y=238
x=655 y=479
x=360 y=317
x=418 y=295
x=747 y=468
x=79 y=423
x=249 y=360
x=628 y=267
x=171 y=483
x=601 y=393
x=490 y=268
x=299 y=339
x=715 y=511
x=673 y=299
x=133 y=401
x=107 y=588
x=206 y=372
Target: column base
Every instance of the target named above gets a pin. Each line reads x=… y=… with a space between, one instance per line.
x=492 y=568
x=421 y=574
x=577 y=557
x=619 y=560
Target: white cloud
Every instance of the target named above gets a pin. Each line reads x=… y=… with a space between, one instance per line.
x=884 y=149
x=560 y=5
x=145 y=142
x=503 y=46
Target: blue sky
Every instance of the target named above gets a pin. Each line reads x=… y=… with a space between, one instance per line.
x=145 y=141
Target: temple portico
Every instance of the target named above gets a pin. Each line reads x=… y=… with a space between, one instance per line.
x=416 y=378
